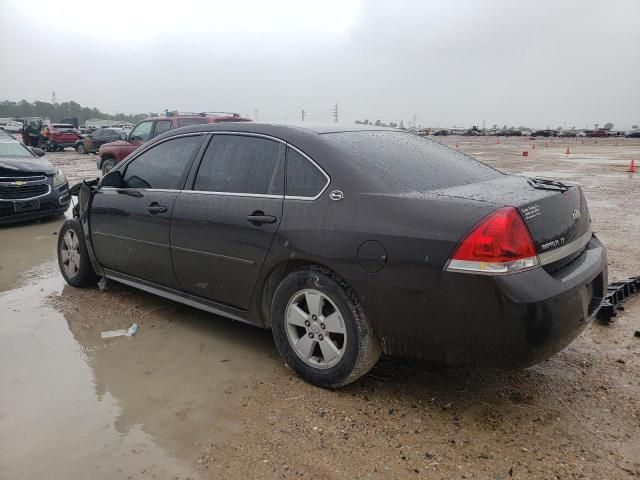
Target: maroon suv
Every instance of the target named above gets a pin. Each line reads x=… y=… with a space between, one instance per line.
x=110 y=154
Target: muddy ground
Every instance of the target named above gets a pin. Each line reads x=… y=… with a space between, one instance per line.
x=195 y=396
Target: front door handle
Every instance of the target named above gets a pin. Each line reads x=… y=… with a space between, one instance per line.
x=156 y=208
x=258 y=218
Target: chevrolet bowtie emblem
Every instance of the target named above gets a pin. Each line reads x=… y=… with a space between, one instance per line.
x=18 y=183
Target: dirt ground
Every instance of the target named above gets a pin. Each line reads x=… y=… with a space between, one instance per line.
x=195 y=396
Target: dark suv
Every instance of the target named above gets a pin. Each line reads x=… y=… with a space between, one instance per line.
x=110 y=154
x=30 y=187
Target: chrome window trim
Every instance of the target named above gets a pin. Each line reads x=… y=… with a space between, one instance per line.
x=236 y=194
x=564 y=251
x=233 y=194
x=163 y=190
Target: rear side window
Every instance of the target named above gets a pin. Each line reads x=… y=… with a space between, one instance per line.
x=395 y=162
x=163 y=166
x=185 y=122
x=303 y=178
x=161 y=127
x=242 y=164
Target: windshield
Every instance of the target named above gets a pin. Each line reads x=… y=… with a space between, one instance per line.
x=13 y=148
x=401 y=162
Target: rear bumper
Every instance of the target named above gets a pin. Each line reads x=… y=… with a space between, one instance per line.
x=510 y=321
x=54 y=203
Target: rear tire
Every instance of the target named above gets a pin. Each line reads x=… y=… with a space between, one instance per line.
x=107 y=165
x=321 y=329
x=81 y=149
x=73 y=257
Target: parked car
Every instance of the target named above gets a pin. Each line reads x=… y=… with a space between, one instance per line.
x=567 y=133
x=601 y=133
x=346 y=242
x=581 y=134
x=10 y=125
x=441 y=133
x=633 y=134
x=30 y=187
x=110 y=154
x=58 y=136
x=91 y=142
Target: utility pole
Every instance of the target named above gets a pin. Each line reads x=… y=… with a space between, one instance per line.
x=414 y=120
x=303 y=112
x=255 y=114
x=53 y=98
x=335 y=113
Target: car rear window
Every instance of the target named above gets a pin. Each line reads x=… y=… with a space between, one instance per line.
x=185 y=122
x=63 y=127
x=402 y=162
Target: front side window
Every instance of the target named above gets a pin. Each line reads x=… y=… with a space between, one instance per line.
x=142 y=132
x=161 y=127
x=163 y=166
x=303 y=178
x=242 y=164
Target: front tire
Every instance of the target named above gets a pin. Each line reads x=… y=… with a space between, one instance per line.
x=321 y=329
x=73 y=257
x=107 y=165
x=80 y=149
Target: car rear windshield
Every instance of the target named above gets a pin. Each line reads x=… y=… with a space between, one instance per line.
x=402 y=162
x=63 y=127
x=12 y=148
x=185 y=122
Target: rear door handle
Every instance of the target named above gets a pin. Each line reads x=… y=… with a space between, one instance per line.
x=155 y=208
x=258 y=217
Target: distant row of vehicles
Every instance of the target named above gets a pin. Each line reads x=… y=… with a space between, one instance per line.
x=600 y=133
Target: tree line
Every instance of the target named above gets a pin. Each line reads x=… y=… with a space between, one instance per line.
x=57 y=111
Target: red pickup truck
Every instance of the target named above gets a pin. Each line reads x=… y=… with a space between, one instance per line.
x=110 y=154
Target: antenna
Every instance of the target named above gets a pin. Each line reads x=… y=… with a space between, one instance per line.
x=334 y=112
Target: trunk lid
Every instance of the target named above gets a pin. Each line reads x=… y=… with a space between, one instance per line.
x=555 y=213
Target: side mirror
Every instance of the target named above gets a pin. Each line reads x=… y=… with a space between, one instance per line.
x=113 y=178
x=38 y=151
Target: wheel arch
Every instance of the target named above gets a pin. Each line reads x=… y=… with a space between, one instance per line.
x=277 y=274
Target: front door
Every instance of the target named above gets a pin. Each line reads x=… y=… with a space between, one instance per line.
x=130 y=225
x=223 y=228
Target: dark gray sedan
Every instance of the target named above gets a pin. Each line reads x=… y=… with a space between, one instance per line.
x=346 y=243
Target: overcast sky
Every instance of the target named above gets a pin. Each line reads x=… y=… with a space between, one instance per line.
x=540 y=63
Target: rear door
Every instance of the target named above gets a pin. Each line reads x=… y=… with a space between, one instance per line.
x=130 y=225
x=222 y=229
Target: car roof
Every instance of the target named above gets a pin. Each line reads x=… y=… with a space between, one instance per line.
x=281 y=130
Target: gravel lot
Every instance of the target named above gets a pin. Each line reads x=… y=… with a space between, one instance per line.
x=196 y=396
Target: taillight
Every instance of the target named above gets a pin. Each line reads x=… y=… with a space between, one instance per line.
x=500 y=243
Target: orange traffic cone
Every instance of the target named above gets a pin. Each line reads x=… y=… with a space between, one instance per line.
x=567 y=152
x=632 y=166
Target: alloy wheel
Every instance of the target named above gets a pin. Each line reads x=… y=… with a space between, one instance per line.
x=315 y=328
x=70 y=253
